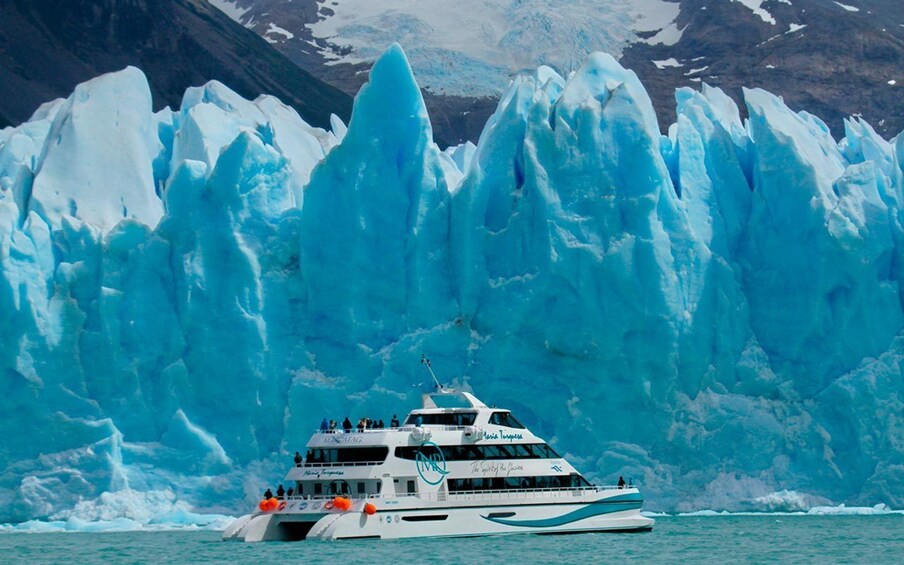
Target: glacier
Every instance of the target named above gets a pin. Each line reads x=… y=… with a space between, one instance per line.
x=715 y=313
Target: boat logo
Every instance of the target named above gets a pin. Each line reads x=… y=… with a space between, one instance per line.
x=344 y=438
x=303 y=505
x=556 y=468
x=431 y=463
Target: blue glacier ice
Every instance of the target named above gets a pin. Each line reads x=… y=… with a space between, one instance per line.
x=715 y=313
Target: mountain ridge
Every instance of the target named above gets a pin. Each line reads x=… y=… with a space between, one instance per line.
x=177 y=43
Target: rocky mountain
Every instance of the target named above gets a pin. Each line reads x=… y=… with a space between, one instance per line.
x=49 y=46
x=836 y=59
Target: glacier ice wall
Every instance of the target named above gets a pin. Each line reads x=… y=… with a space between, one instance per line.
x=715 y=313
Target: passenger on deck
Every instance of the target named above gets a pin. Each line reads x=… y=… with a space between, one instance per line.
x=297 y=459
x=394 y=423
x=324 y=425
x=419 y=421
x=361 y=425
x=289 y=492
x=268 y=494
x=347 y=425
x=381 y=425
x=333 y=425
x=621 y=482
x=280 y=491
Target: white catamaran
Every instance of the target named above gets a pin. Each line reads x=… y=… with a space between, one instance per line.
x=455 y=467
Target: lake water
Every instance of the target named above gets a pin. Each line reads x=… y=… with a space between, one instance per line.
x=698 y=539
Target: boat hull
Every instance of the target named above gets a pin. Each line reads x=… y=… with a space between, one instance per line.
x=617 y=511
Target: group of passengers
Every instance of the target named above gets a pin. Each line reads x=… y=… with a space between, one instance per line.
x=280 y=491
x=363 y=424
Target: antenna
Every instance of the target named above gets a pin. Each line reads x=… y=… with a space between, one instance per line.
x=426 y=361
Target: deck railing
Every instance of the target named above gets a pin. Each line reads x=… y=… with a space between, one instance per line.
x=340 y=463
x=508 y=494
x=403 y=427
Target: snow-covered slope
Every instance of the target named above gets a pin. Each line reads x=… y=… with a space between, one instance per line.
x=715 y=314
x=830 y=57
x=473 y=47
x=467 y=48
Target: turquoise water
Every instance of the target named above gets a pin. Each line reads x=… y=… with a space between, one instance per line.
x=707 y=539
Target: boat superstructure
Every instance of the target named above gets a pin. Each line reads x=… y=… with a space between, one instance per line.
x=455 y=467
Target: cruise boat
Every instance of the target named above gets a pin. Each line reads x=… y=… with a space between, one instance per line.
x=455 y=467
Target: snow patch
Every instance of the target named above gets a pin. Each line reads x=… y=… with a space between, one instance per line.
x=848 y=7
x=666 y=63
x=795 y=27
x=280 y=31
x=230 y=8
x=756 y=6
x=668 y=36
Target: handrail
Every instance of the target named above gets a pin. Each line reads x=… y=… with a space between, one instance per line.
x=480 y=494
x=340 y=463
x=355 y=430
x=403 y=427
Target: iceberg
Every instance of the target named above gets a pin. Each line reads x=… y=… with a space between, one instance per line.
x=715 y=313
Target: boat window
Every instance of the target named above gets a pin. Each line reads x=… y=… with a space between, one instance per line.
x=318 y=488
x=411 y=487
x=479 y=452
x=347 y=455
x=445 y=419
x=505 y=419
x=339 y=487
x=361 y=488
x=516 y=483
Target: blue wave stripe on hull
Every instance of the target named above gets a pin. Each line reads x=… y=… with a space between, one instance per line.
x=614 y=504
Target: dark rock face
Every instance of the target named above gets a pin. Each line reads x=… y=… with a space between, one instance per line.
x=838 y=65
x=49 y=46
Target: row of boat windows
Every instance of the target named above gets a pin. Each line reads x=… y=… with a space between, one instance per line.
x=377 y=454
x=479 y=452
x=508 y=483
x=347 y=455
x=463 y=419
x=338 y=487
x=454 y=419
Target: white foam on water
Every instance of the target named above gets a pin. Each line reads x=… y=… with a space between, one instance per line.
x=124 y=511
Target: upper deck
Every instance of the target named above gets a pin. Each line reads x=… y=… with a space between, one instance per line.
x=450 y=416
